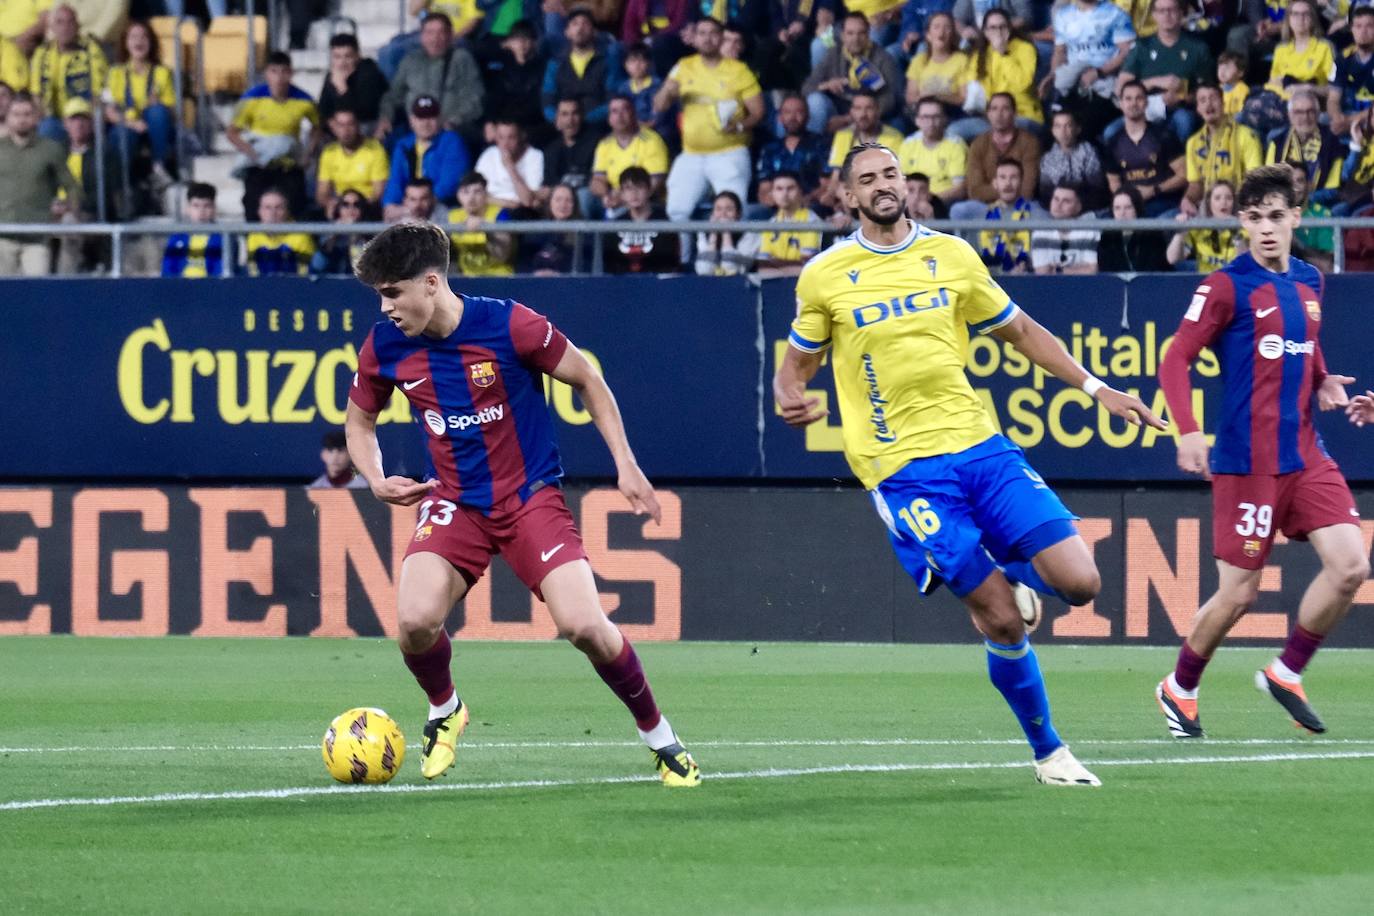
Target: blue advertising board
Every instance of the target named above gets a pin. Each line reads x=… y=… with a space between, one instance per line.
x=237 y=379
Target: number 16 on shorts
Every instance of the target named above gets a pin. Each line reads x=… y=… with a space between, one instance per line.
x=920 y=518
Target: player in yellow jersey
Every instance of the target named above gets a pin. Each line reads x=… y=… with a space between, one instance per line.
x=895 y=303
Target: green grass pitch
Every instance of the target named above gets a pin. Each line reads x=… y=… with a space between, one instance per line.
x=838 y=779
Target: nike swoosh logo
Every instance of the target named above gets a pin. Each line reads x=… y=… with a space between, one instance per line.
x=409 y=385
x=546 y=554
x=1260 y=313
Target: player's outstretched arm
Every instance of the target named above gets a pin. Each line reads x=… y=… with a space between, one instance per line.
x=1360 y=410
x=366 y=454
x=575 y=370
x=1040 y=347
x=789 y=388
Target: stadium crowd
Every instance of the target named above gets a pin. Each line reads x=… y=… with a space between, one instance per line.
x=645 y=110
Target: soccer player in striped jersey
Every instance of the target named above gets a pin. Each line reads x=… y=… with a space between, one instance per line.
x=896 y=303
x=472 y=369
x=1269 y=470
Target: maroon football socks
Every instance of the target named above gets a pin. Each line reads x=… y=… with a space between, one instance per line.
x=625 y=677
x=1188 y=671
x=431 y=669
x=1301 y=646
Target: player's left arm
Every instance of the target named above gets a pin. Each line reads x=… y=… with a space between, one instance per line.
x=576 y=370
x=1040 y=347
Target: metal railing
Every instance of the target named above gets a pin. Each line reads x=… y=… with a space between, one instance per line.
x=120 y=233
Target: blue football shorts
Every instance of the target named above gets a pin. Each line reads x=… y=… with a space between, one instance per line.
x=955 y=518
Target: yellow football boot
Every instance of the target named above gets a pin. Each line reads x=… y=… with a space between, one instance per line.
x=441 y=737
x=676 y=767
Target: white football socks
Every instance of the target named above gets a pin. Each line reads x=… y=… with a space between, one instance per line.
x=1179 y=691
x=1284 y=673
x=444 y=711
x=660 y=736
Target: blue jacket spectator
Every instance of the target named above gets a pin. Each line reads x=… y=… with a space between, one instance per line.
x=444 y=159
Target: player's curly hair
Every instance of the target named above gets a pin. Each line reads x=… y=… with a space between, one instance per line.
x=1265 y=180
x=404 y=251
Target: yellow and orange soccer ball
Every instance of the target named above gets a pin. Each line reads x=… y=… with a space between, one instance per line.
x=363 y=745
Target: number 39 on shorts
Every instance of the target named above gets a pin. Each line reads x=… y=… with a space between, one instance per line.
x=1255 y=521
x=920 y=518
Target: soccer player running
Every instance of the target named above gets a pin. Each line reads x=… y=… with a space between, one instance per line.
x=471 y=368
x=1260 y=314
x=896 y=302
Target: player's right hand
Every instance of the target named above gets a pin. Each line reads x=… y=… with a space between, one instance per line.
x=799 y=410
x=1192 y=454
x=402 y=491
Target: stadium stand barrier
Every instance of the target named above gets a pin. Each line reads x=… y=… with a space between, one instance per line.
x=120 y=234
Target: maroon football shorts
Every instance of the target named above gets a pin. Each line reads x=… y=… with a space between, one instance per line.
x=535 y=537
x=1248 y=508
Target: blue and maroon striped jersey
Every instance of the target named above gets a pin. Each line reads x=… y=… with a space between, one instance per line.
x=478 y=395
x=1263 y=328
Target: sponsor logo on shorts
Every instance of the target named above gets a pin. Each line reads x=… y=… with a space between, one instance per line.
x=1251 y=548
x=440 y=424
x=483 y=374
x=1272 y=346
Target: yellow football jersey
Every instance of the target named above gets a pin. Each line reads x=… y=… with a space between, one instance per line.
x=646 y=150
x=713 y=97
x=898 y=320
x=356 y=171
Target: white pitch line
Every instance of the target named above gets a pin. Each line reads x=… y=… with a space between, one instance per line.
x=770 y=743
x=771 y=773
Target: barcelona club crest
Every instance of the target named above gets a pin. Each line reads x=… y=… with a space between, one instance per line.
x=483 y=374
x=423 y=533
x=1314 y=311
x=1251 y=548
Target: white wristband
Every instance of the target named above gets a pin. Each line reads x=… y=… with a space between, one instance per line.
x=1092 y=385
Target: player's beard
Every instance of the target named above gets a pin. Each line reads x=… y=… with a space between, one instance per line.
x=873 y=216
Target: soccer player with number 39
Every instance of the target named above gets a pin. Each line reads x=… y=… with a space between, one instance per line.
x=1269 y=470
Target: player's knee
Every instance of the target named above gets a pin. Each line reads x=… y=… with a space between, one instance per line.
x=414 y=632
x=1240 y=598
x=1350 y=573
x=586 y=635
x=1082 y=587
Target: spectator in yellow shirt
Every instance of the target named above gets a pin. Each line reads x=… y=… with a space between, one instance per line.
x=272 y=254
x=721 y=102
x=351 y=163
x=629 y=143
x=1303 y=56
x=1231 y=76
x=1210 y=249
x=1003 y=62
x=266 y=130
x=943 y=160
x=140 y=99
x=70 y=66
x=941 y=70
x=478 y=253
x=1221 y=150
x=786 y=251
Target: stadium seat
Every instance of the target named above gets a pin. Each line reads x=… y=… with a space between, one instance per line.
x=226 y=62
